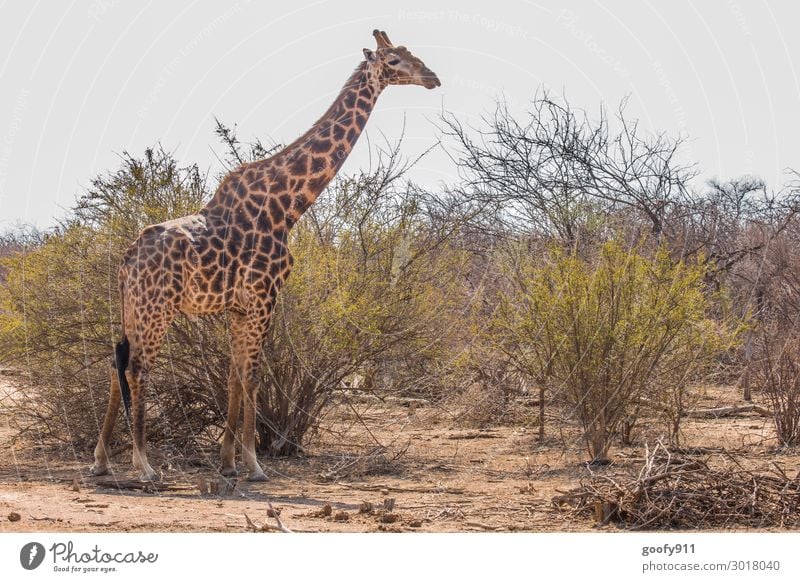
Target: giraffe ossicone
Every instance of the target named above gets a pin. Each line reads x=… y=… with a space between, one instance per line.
x=232 y=257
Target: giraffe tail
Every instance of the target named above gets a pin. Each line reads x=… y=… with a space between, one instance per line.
x=121 y=354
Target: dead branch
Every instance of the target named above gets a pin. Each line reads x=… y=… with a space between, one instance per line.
x=443 y=489
x=473 y=435
x=671 y=491
x=277 y=517
x=146 y=486
x=483 y=526
x=728 y=411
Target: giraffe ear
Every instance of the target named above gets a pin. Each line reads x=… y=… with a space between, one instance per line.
x=369 y=55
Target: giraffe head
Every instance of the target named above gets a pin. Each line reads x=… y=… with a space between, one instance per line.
x=395 y=65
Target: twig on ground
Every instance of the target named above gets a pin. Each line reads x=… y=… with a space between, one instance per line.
x=276 y=515
x=672 y=491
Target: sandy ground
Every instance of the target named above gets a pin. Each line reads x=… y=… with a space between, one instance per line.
x=429 y=475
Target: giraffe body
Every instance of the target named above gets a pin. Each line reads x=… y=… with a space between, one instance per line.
x=233 y=257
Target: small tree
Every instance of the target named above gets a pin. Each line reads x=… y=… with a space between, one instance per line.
x=374 y=281
x=59 y=309
x=600 y=333
x=373 y=284
x=542 y=171
x=778 y=376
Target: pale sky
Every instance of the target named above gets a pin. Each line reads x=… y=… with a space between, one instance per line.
x=82 y=81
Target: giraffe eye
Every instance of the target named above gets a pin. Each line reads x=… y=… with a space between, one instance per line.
x=393 y=62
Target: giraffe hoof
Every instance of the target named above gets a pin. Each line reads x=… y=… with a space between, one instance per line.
x=148 y=475
x=228 y=472
x=257 y=476
x=98 y=470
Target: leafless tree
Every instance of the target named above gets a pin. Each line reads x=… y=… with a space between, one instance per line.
x=557 y=169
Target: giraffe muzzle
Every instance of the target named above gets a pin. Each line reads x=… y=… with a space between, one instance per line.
x=430 y=80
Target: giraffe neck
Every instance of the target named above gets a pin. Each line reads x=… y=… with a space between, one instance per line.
x=273 y=193
x=318 y=154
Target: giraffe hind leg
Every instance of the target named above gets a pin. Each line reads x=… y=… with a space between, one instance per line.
x=139 y=381
x=145 y=336
x=138 y=375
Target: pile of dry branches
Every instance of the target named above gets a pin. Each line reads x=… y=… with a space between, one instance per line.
x=676 y=491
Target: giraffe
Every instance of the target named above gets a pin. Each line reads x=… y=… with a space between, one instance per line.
x=232 y=257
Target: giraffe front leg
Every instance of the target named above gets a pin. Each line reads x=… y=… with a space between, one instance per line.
x=256 y=473
x=228 y=451
x=138 y=379
x=100 y=466
x=247 y=335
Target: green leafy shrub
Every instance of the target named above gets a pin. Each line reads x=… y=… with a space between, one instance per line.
x=59 y=307
x=371 y=290
x=371 y=284
x=601 y=333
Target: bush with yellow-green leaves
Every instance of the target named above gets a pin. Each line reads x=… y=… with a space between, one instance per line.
x=373 y=282
x=609 y=335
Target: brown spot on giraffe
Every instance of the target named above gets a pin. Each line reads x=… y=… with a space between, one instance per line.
x=232 y=257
